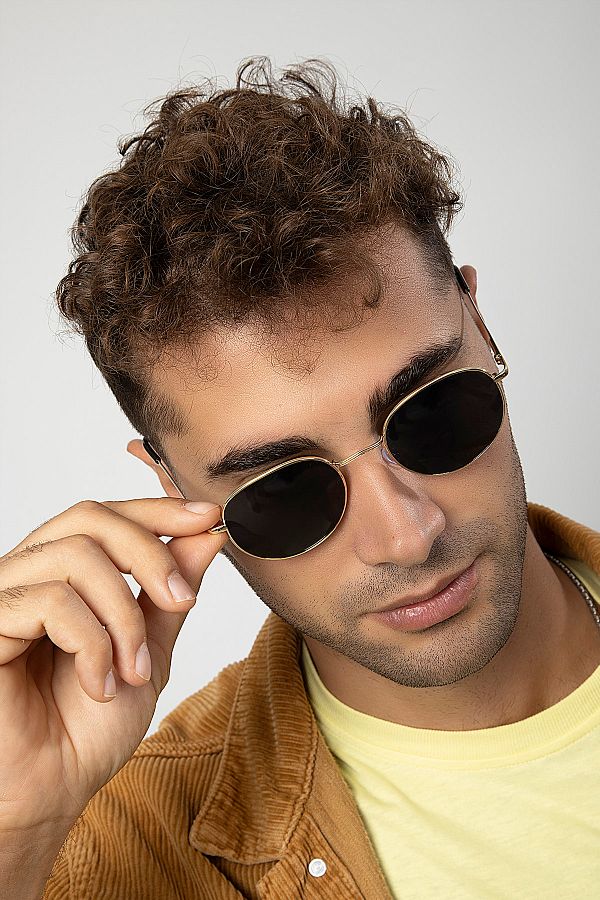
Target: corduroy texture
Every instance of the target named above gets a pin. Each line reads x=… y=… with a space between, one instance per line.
x=237 y=792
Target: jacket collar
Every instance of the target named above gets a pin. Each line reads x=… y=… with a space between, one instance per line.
x=266 y=772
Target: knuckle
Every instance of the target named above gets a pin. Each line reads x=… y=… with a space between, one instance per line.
x=82 y=543
x=87 y=506
x=61 y=591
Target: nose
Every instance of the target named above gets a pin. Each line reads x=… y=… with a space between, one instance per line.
x=390 y=515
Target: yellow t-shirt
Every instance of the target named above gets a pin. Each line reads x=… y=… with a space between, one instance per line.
x=505 y=812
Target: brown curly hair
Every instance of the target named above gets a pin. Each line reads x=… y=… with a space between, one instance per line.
x=229 y=207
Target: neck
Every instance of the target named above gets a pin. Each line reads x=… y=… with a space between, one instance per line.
x=535 y=668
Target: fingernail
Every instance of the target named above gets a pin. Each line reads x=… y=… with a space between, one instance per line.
x=201 y=509
x=110 y=687
x=143 y=663
x=179 y=587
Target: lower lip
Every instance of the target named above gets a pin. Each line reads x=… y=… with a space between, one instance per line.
x=438 y=608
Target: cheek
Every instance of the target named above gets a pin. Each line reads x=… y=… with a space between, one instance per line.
x=498 y=461
x=287 y=577
x=289 y=587
x=488 y=482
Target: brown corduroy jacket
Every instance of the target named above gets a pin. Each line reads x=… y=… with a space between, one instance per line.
x=236 y=794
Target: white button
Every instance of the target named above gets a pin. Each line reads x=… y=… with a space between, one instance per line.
x=317 y=867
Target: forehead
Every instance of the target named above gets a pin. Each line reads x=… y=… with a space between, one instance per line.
x=250 y=385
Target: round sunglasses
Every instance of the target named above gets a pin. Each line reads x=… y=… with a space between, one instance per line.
x=437 y=429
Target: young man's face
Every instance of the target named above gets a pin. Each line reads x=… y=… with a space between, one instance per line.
x=401 y=531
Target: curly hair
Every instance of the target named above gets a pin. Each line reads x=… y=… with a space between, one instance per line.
x=229 y=207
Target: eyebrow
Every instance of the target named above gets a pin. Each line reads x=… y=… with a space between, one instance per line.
x=248 y=458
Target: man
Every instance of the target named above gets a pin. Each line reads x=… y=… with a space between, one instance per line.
x=266 y=279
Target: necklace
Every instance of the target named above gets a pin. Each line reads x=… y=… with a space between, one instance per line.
x=593 y=607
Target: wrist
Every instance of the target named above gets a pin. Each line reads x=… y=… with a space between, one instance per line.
x=27 y=858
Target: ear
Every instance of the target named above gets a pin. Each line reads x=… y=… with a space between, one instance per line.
x=136 y=448
x=470 y=276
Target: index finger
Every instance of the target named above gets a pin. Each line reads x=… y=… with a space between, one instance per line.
x=161 y=515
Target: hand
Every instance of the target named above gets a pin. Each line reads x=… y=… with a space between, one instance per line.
x=68 y=617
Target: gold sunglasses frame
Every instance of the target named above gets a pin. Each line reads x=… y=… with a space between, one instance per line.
x=339 y=464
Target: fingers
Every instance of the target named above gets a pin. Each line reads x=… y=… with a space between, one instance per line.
x=53 y=608
x=79 y=561
x=64 y=580
x=193 y=555
x=131 y=546
x=162 y=516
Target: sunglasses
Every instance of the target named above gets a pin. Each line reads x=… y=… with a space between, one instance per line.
x=438 y=428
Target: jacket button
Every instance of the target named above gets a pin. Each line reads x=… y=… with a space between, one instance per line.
x=317 y=867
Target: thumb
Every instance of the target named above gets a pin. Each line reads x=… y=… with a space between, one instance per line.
x=192 y=554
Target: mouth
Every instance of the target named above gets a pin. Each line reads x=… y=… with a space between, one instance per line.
x=427 y=594
x=449 y=600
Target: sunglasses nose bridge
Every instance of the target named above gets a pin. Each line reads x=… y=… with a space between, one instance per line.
x=344 y=462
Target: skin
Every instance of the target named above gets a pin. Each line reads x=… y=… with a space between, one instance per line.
x=511 y=652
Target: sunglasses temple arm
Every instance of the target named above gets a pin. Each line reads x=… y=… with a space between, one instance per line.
x=498 y=357
x=218 y=529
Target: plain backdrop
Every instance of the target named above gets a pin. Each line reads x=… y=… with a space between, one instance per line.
x=508 y=89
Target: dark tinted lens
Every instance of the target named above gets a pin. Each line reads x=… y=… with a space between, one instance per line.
x=446 y=425
x=288 y=511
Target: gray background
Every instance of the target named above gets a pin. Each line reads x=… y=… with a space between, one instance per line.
x=509 y=89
